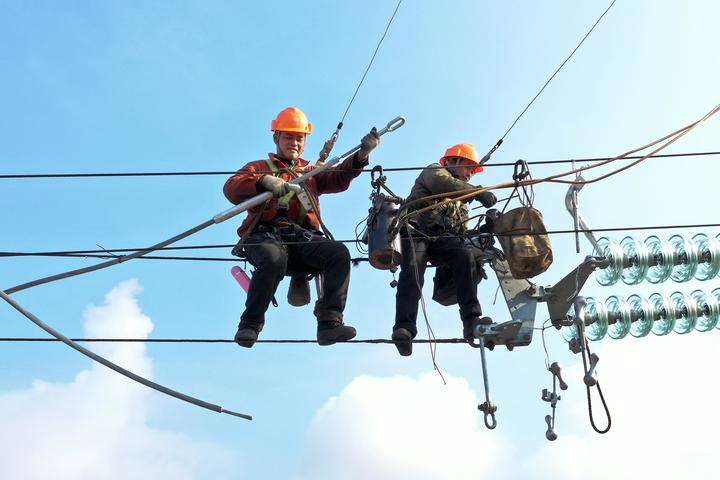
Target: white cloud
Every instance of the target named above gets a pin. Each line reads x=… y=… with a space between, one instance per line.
x=662 y=396
x=96 y=426
x=661 y=392
x=398 y=428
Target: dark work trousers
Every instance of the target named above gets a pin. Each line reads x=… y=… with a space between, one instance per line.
x=273 y=260
x=448 y=251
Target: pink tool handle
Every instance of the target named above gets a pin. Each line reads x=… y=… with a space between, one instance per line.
x=241 y=277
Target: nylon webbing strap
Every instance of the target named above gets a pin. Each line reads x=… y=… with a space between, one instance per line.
x=284 y=201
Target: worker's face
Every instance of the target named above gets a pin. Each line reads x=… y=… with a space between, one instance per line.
x=290 y=145
x=463 y=168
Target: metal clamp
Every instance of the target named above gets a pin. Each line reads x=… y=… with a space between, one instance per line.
x=496 y=334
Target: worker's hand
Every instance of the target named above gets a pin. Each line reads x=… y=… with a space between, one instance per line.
x=275 y=185
x=487 y=199
x=368 y=143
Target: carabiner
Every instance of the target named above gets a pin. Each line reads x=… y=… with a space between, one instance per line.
x=377 y=183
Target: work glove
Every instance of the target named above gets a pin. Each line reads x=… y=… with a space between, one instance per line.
x=487 y=199
x=368 y=143
x=275 y=185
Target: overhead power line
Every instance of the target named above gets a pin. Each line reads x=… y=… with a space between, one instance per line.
x=372 y=59
x=18 y=176
x=107 y=253
x=367 y=170
x=492 y=150
x=220 y=340
x=556 y=71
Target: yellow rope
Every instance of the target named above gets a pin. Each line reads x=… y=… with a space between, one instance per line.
x=469 y=193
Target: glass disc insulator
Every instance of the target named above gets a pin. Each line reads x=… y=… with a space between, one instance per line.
x=714 y=305
x=707 y=311
x=717 y=237
x=686 y=313
x=637 y=260
x=664 y=314
x=596 y=313
x=610 y=250
x=619 y=317
x=643 y=315
x=708 y=256
x=569 y=332
x=686 y=258
x=661 y=259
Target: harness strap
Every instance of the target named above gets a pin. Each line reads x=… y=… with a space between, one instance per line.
x=284 y=201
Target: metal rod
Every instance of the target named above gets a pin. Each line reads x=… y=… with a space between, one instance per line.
x=109 y=263
x=488 y=408
x=391 y=126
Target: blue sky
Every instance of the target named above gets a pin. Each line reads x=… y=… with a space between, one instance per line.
x=178 y=86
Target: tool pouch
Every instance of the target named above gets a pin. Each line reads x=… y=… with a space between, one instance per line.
x=524 y=240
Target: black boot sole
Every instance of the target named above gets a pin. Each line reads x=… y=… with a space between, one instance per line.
x=403 y=341
x=243 y=341
x=343 y=334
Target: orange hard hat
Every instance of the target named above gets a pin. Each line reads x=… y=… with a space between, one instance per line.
x=291 y=120
x=463 y=150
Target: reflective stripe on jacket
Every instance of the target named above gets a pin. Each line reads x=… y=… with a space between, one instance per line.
x=242 y=186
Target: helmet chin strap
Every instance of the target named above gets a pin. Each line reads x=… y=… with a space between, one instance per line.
x=453 y=171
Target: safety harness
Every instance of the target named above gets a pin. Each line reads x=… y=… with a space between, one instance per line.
x=284 y=201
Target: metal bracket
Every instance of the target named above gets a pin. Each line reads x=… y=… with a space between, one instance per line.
x=561 y=296
x=522 y=303
x=497 y=334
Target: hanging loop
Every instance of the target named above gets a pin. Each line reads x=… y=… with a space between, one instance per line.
x=378 y=182
x=489 y=409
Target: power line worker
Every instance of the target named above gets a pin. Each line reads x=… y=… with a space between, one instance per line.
x=290 y=217
x=452 y=174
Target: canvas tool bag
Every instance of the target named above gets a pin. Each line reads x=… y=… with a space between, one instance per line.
x=524 y=240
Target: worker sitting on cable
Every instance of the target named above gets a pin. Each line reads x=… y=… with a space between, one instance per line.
x=284 y=234
x=437 y=236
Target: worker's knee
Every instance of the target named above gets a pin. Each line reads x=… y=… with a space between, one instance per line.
x=269 y=257
x=340 y=253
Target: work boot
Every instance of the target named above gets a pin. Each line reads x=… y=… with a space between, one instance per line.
x=468 y=326
x=330 y=332
x=247 y=334
x=403 y=341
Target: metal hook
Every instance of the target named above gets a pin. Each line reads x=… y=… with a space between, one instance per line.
x=381 y=179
